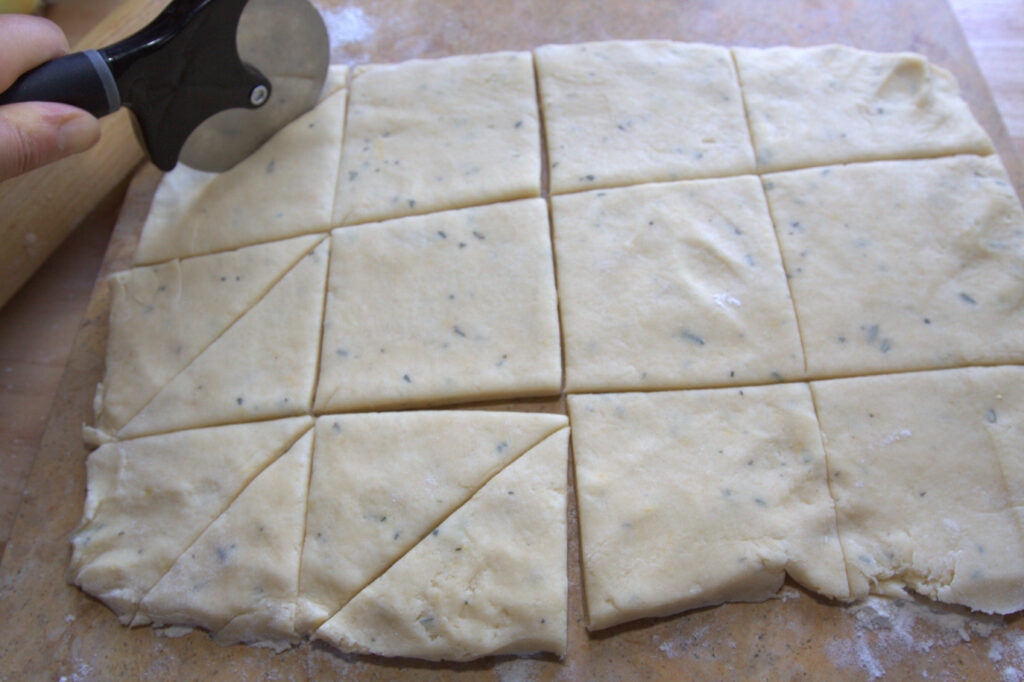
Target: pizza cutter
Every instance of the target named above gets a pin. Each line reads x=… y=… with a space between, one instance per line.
x=208 y=81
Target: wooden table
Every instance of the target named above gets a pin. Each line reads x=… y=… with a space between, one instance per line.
x=38 y=327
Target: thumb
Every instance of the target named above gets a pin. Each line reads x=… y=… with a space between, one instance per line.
x=33 y=134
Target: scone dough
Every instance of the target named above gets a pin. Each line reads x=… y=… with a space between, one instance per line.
x=437 y=134
x=835 y=104
x=163 y=316
x=381 y=482
x=920 y=493
x=693 y=498
x=903 y=264
x=628 y=112
x=263 y=366
x=284 y=189
x=489 y=580
x=239 y=579
x=456 y=306
x=148 y=499
x=672 y=286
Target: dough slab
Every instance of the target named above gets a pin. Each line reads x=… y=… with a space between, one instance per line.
x=694 y=498
x=628 y=112
x=673 y=285
x=382 y=482
x=457 y=306
x=903 y=265
x=489 y=580
x=921 y=495
x=436 y=134
x=836 y=104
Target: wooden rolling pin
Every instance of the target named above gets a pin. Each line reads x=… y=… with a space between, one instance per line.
x=39 y=210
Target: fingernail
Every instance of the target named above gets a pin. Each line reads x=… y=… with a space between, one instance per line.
x=77 y=133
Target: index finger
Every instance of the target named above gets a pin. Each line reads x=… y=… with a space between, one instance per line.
x=27 y=42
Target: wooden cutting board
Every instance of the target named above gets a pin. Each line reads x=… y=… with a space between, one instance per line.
x=52 y=630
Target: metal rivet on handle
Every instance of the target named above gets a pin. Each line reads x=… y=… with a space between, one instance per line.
x=258 y=95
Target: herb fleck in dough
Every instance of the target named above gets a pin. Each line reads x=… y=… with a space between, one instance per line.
x=449 y=307
x=628 y=112
x=672 y=286
x=903 y=264
x=835 y=104
x=489 y=580
x=382 y=481
x=438 y=134
x=693 y=498
x=920 y=491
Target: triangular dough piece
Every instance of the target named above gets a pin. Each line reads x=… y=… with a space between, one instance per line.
x=149 y=498
x=381 y=482
x=239 y=579
x=163 y=316
x=263 y=366
x=285 y=188
x=490 y=580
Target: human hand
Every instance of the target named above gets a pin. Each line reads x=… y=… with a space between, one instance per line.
x=33 y=134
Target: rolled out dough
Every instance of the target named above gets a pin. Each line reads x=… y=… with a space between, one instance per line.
x=163 y=316
x=694 y=498
x=628 y=112
x=489 y=580
x=456 y=306
x=903 y=265
x=921 y=496
x=381 y=482
x=240 y=578
x=263 y=366
x=148 y=499
x=436 y=134
x=673 y=285
x=836 y=104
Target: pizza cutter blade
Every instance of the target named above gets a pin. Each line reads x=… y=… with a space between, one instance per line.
x=208 y=81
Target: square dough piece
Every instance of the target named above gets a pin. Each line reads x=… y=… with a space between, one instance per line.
x=382 y=481
x=628 y=112
x=148 y=499
x=240 y=578
x=673 y=286
x=490 y=580
x=431 y=135
x=903 y=264
x=452 y=307
x=835 y=104
x=284 y=189
x=693 y=498
x=263 y=366
x=163 y=316
x=920 y=494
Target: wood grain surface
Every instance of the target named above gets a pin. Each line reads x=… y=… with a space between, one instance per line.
x=54 y=630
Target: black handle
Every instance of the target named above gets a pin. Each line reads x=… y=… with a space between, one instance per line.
x=82 y=79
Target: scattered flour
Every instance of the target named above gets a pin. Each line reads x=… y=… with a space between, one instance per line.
x=888 y=629
x=675 y=648
x=346 y=25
